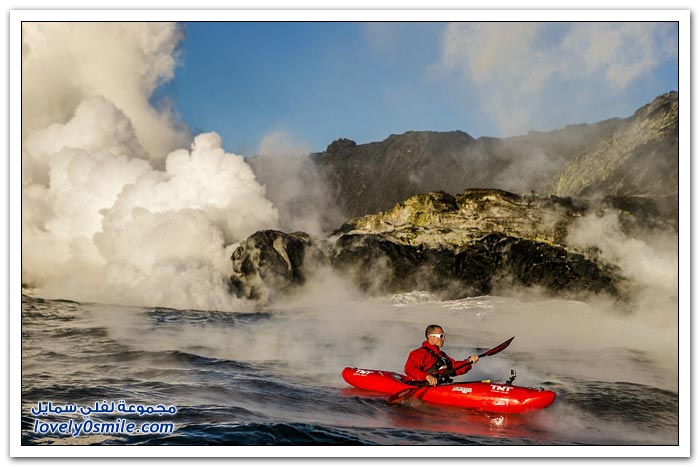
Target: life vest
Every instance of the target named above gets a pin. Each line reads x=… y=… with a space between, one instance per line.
x=442 y=366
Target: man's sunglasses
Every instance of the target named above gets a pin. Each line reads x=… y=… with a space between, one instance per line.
x=439 y=336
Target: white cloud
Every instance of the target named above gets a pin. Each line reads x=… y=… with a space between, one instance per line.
x=485 y=51
x=623 y=52
x=280 y=143
x=512 y=65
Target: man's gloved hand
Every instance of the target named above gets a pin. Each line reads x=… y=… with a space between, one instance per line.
x=473 y=359
x=432 y=380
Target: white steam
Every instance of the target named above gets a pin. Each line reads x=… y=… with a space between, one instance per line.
x=649 y=321
x=111 y=212
x=65 y=63
x=280 y=143
x=295 y=185
x=652 y=262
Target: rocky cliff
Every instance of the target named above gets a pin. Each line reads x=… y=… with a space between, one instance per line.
x=640 y=158
x=454 y=246
x=635 y=156
x=407 y=231
x=440 y=219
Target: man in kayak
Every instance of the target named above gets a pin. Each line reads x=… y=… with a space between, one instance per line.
x=429 y=363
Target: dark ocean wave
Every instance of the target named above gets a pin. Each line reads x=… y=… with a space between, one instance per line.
x=638 y=404
x=71 y=355
x=169 y=315
x=257 y=434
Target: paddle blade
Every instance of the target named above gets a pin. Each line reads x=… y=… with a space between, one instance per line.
x=402 y=395
x=497 y=349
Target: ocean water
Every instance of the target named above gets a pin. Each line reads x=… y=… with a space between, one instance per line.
x=271 y=376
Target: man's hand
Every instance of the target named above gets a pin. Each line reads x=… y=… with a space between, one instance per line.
x=473 y=359
x=432 y=380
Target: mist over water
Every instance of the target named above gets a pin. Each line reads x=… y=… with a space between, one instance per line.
x=274 y=376
x=552 y=337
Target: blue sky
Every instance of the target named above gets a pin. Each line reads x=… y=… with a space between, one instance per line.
x=316 y=82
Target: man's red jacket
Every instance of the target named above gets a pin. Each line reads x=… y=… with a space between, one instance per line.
x=420 y=361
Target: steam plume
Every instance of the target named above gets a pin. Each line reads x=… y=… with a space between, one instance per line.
x=111 y=210
x=294 y=184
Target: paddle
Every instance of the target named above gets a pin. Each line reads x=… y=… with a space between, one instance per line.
x=404 y=394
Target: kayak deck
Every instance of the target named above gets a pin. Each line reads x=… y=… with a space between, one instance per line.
x=477 y=395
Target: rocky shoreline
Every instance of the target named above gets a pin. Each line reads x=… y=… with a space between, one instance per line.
x=405 y=235
x=453 y=246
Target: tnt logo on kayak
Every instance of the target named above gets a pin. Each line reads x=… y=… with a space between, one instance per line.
x=462 y=389
x=496 y=387
x=362 y=372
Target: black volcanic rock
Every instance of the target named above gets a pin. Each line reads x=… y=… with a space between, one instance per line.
x=454 y=246
x=270 y=262
x=531 y=263
x=375 y=263
x=380 y=266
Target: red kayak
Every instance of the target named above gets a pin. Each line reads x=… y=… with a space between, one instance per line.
x=476 y=395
